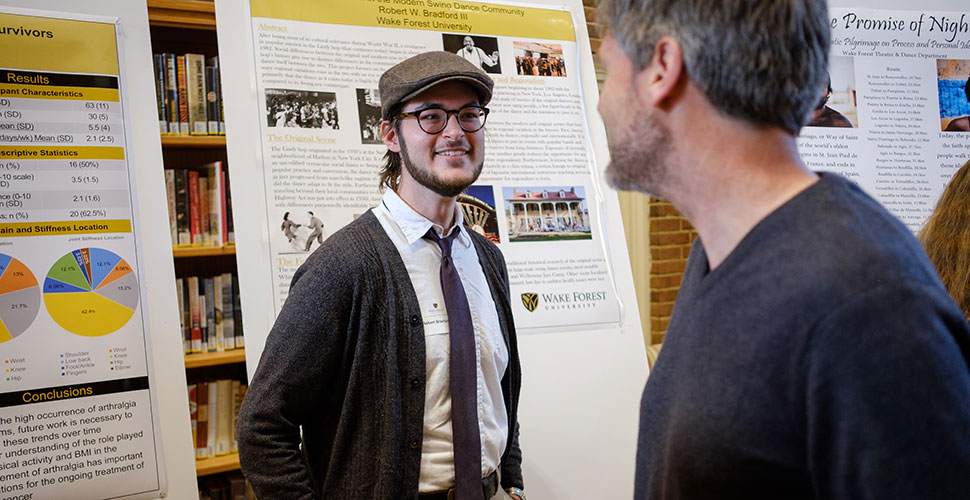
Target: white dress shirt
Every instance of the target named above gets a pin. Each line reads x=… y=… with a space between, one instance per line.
x=422 y=258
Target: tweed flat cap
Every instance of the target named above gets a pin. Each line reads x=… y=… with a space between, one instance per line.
x=412 y=76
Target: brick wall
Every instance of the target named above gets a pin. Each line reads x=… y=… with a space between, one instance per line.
x=671 y=236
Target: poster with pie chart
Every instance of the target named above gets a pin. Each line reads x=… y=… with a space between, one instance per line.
x=91 y=292
x=19 y=297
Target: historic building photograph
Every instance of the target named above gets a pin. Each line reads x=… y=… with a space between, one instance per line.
x=546 y=213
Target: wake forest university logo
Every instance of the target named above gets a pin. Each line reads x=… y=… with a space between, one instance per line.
x=530 y=301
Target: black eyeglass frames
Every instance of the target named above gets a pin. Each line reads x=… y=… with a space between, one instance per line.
x=434 y=120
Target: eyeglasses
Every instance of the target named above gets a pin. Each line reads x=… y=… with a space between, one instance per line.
x=434 y=120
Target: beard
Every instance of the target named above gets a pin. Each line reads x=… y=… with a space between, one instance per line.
x=640 y=156
x=427 y=178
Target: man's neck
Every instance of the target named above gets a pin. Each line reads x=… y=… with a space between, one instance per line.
x=432 y=206
x=732 y=179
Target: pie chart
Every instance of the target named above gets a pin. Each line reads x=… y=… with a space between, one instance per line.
x=91 y=292
x=19 y=297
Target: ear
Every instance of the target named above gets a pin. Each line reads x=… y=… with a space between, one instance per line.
x=661 y=79
x=389 y=136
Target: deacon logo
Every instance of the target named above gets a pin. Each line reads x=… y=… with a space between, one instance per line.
x=530 y=301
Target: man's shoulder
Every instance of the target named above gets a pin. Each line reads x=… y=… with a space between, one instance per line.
x=834 y=241
x=351 y=247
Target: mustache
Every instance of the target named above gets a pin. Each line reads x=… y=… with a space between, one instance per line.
x=455 y=144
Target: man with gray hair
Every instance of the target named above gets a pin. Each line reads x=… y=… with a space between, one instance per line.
x=813 y=352
x=392 y=371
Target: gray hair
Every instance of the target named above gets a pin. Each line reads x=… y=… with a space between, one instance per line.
x=763 y=62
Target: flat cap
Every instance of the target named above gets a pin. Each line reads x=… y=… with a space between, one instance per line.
x=412 y=76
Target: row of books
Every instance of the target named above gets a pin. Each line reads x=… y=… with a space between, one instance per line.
x=214 y=408
x=210 y=314
x=199 y=205
x=229 y=486
x=189 y=92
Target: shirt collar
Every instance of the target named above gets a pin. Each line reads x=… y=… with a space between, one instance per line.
x=414 y=225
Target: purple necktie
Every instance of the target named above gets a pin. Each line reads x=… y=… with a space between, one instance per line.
x=463 y=376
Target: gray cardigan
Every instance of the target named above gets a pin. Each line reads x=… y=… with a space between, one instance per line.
x=346 y=361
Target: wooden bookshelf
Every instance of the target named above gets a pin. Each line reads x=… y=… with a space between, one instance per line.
x=180 y=27
x=193 y=14
x=215 y=358
x=225 y=463
x=180 y=252
x=194 y=141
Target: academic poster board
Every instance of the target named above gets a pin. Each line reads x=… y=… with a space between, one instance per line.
x=76 y=408
x=899 y=89
x=81 y=407
x=303 y=115
x=319 y=125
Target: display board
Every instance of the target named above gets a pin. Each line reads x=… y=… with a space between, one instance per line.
x=303 y=114
x=899 y=92
x=316 y=83
x=80 y=412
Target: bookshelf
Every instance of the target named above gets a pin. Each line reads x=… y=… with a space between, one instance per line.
x=192 y=14
x=209 y=466
x=214 y=358
x=179 y=27
x=193 y=142
x=183 y=252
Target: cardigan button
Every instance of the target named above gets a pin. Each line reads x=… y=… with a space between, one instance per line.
x=414 y=445
x=415 y=320
x=415 y=382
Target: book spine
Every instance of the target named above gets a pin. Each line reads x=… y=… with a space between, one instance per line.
x=204 y=212
x=224 y=417
x=203 y=318
x=230 y=233
x=196 y=313
x=221 y=117
x=228 y=332
x=236 y=405
x=172 y=92
x=170 y=198
x=212 y=99
x=210 y=316
x=237 y=323
x=218 y=334
x=194 y=413
x=202 y=427
x=216 y=203
x=195 y=220
x=195 y=89
x=183 y=96
x=182 y=202
x=159 y=68
x=214 y=409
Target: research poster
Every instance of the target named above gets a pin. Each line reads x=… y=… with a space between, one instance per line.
x=316 y=82
x=894 y=118
x=76 y=410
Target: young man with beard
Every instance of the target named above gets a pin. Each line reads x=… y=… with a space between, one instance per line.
x=392 y=370
x=813 y=352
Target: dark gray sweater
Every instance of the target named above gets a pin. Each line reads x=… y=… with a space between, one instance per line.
x=345 y=362
x=823 y=359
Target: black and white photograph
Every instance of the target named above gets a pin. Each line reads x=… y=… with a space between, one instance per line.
x=301 y=109
x=481 y=51
x=369 y=113
x=303 y=231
